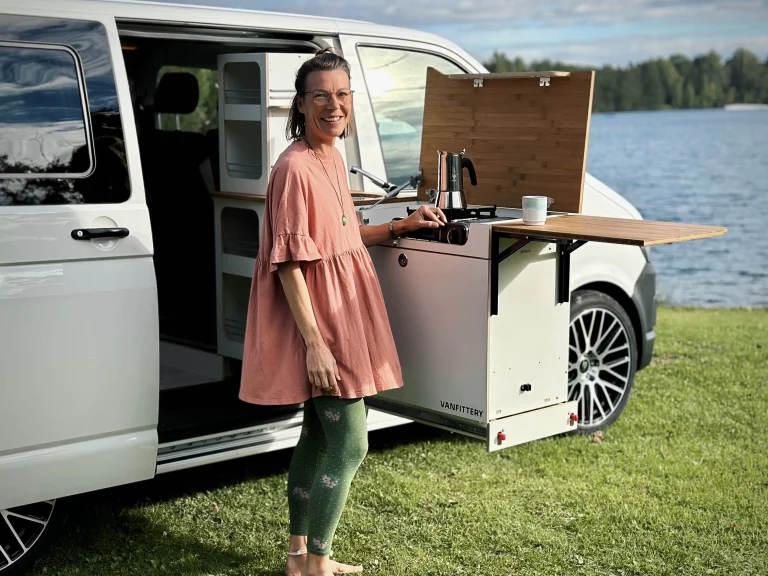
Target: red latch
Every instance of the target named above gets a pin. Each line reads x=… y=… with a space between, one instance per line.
x=574 y=417
x=501 y=436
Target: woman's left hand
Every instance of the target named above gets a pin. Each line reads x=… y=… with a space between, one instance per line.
x=424 y=217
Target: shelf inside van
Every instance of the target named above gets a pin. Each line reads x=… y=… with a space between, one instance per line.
x=248 y=249
x=241 y=170
x=235 y=329
x=243 y=112
x=243 y=82
x=237 y=265
x=243 y=104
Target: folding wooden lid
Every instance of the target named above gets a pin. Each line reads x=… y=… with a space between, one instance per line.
x=525 y=133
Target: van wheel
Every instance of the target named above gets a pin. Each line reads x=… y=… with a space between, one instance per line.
x=26 y=532
x=602 y=359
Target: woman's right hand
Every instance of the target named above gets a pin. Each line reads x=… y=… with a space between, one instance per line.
x=321 y=367
x=424 y=217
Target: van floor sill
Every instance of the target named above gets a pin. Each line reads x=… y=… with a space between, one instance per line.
x=212 y=408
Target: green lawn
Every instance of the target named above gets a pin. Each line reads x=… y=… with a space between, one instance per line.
x=678 y=485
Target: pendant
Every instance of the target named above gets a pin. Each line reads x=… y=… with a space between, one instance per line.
x=343 y=220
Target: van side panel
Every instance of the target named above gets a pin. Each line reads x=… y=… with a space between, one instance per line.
x=79 y=366
x=81 y=467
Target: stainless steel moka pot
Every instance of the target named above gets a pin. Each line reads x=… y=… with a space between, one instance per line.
x=450 y=179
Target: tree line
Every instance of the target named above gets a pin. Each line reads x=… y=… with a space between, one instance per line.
x=705 y=81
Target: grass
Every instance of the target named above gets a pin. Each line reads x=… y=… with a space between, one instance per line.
x=678 y=485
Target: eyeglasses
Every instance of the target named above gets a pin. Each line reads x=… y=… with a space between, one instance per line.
x=322 y=98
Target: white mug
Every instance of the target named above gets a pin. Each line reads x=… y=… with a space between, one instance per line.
x=535 y=209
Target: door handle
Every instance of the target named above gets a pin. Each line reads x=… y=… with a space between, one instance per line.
x=93 y=233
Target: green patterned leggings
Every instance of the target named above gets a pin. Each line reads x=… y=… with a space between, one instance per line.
x=333 y=444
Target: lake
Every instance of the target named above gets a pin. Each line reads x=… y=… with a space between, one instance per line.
x=700 y=167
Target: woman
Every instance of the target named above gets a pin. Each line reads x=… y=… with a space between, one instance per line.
x=317 y=328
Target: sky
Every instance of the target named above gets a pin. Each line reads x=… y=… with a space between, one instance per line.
x=588 y=32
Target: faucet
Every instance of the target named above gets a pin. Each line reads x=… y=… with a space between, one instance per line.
x=380 y=183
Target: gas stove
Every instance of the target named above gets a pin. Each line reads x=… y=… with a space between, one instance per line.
x=457 y=229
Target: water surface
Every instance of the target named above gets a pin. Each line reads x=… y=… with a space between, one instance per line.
x=700 y=167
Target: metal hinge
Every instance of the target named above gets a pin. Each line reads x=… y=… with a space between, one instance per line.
x=544 y=81
x=478 y=82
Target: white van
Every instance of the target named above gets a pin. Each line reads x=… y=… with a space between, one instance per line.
x=127 y=237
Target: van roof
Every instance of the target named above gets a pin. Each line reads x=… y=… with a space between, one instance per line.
x=230 y=16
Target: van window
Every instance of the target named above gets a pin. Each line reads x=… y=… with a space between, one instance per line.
x=61 y=131
x=206 y=116
x=42 y=124
x=396 y=80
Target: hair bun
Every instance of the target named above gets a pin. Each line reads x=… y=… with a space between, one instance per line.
x=327 y=50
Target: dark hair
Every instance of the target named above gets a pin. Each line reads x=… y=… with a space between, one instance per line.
x=323 y=60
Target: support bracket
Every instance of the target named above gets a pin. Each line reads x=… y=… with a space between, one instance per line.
x=564 y=249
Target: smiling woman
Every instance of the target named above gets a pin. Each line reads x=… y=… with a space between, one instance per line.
x=317 y=330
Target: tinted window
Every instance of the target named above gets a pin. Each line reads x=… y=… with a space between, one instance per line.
x=42 y=128
x=102 y=178
x=396 y=81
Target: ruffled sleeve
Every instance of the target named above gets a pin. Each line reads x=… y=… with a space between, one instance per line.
x=291 y=239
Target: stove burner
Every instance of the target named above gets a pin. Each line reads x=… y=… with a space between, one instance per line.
x=473 y=213
x=456 y=231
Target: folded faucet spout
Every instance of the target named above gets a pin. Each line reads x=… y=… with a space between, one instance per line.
x=380 y=183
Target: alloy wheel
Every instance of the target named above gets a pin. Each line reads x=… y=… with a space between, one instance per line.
x=599 y=365
x=20 y=530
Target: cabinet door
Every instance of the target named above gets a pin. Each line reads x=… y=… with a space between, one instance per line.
x=79 y=369
x=438 y=309
x=243 y=102
x=529 y=337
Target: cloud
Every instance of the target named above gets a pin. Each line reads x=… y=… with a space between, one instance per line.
x=586 y=31
x=617 y=44
x=420 y=13
x=621 y=51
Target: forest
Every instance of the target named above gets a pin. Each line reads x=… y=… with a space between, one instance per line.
x=706 y=81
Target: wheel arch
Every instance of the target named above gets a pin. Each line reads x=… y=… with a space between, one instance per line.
x=626 y=302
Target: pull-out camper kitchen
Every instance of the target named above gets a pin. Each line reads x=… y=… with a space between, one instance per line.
x=492 y=358
x=129 y=229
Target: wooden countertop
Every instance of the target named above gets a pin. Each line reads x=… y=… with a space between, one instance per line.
x=612 y=230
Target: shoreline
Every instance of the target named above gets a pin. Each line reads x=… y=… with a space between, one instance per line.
x=713 y=108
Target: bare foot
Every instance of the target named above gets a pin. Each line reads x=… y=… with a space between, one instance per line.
x=330 y=567
x=339 y=568
x=295 y=565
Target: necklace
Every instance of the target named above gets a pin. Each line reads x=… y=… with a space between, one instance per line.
x=337 y=194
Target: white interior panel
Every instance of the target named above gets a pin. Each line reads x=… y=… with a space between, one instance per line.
x=529 y=336
x=438 y=309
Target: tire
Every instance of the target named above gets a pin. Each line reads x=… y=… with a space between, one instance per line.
x=37 y=526
x=602 y=359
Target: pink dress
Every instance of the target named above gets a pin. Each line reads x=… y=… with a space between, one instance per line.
x=303 y=222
